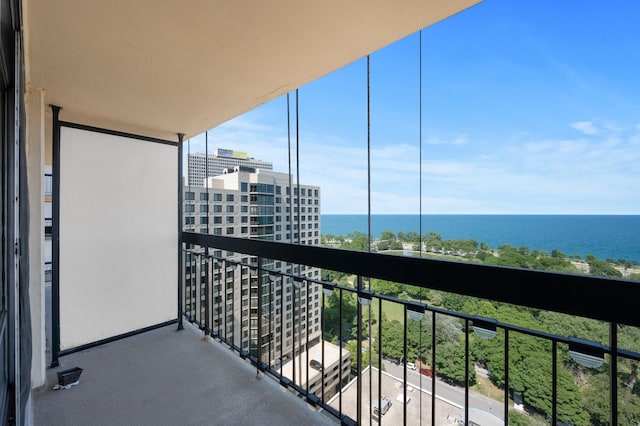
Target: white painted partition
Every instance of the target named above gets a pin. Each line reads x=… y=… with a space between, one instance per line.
x=118 y=235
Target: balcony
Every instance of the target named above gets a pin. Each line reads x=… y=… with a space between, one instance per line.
x=122 y=234
x=455 y=400
x=168 y=377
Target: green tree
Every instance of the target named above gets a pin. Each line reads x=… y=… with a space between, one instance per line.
x=333 y=276
x=331 y=312
x=450 y=362
x=392 y=339
x=395 y=245
x=352 y=347
x=601 y=268
x=387 y=235
x=386 y=287
x=432 y=238
x=383 y=245
x=358 y=241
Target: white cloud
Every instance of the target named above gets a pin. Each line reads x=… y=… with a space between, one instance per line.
x=534 y=176
x=586 y=127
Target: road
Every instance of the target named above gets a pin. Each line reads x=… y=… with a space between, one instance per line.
x=451 y=393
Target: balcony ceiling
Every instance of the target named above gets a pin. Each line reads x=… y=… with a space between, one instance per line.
x=158 y=67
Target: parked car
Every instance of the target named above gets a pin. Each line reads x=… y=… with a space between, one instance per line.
x=314 y=363
x=411 y=366
x=427 y=372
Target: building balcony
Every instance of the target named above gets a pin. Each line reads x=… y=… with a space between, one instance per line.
x=168 y=377
x=203 y=372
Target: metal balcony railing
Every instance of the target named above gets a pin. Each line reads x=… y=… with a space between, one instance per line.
x=282 y=316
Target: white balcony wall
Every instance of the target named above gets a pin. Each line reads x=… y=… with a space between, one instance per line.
x=118 y=235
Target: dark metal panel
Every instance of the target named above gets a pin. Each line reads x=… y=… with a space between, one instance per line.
x=55 y=239
x=611 y=300
x=116 y=133
x=115 y=338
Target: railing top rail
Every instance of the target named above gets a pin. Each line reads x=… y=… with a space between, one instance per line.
x=611 y=300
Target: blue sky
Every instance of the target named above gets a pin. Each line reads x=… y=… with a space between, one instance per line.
x=528 y=107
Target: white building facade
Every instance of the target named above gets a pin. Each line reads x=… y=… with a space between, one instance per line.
x=260 y=204
x=200 y=166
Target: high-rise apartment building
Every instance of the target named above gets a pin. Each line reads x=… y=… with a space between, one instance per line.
x=260 y=204
x=201 y=166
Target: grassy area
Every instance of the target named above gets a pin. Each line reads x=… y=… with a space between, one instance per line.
x=485 y=387
x=393 y=311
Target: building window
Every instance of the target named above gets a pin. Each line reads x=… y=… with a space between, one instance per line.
x=229 y=197
x=217 y=231
x=217 y=208
x=204 y=208
x=190 y=208
x=217 y=219
x=189 y=195
x=204 y=196
x=315 y=192
x=189 y=220
x=244 y=209
x=229 y=219
x=217 y=197
x=244 y=187
x=229 y=209
x=244 y=219
x=244 y=198
x=244 y=230
x=204 y=220
x=230 y=230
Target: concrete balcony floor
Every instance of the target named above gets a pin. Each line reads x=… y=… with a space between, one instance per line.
x=165 y=377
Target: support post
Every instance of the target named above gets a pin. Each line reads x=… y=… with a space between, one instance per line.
x=55 y=239
x=180 y=225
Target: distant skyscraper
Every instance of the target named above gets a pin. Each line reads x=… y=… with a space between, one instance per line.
x=200 y=166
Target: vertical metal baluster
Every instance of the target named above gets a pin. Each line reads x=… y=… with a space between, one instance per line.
x=613 y=373
x=466 y=371
x=259 y=334
x=506 y=376
x=379 y=358
x=359 y=358
x=404 y=369
x=554 y=383
x=370 y=356
x=281 y=322
x=340 y=350
x=293 y=327
x=322 y=338
x=224 y=305
x=206 y=293
x=242 y=307
x=306 y=327
x=433 y=368
x=271 y=318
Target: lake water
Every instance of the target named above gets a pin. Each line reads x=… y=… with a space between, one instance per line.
x=616 y=237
